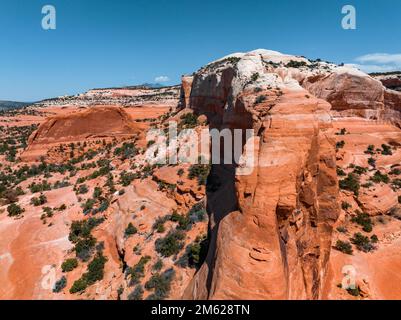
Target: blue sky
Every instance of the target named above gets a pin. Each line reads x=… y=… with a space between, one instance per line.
x=114 y=43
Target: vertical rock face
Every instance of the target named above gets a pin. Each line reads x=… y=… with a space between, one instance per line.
x=392 y=101
x=348 y=93
x=271 y=229
x=353 y=93
x=185 y=91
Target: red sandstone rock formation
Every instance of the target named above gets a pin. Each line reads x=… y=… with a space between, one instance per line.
x=186 y=84
x=275 y=225
x=94 y=123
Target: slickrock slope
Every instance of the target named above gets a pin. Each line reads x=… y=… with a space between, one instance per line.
x=376 y=262
x=104 y=223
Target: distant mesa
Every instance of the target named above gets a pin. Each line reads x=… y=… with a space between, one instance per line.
x=391 y=80
x=7 y=105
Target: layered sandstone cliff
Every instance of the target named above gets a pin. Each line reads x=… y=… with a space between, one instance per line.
x=272 y=237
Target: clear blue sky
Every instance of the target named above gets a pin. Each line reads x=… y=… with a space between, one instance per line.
x=112 y=43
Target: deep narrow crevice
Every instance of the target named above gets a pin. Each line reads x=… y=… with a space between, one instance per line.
x=121 y=256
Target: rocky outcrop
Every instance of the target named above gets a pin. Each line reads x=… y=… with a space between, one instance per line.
x=94 y=123
x=271 y=235
x=185 y=91
x=392 y=100
x=349 y=93
x=353 y=93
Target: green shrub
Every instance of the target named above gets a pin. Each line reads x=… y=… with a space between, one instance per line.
x=341 y=172
x=355 y=292
x=88 y=205
x=367 y=185
x=197 y=213
x=138 y=271
x=379 y=177
x=296 y=64
x=159 y=224
x=102 y=207
x=94 y=273
x=60 y=284
x=374 y=239
x=188 y=121
x=171 y=244
x=127 y=177
x=255 y=76
x=260 y=99
x=48 y=211
x=362 y=242
x=14 y=210
x=41 y=200
x=44 y=186
x=126 y=151
x=342 y=132
x=137 y=294
x=351 y=183
x=84 y=248
x=344 y=247
x=399 y=199
x=396 y=183
x=164 y=186
x=360 y=170
x=372 y=162
x=69 y=265
x=395 y=172
x=363 y=220
x=130 y=230
x=82 y=189
x=386 y=150
x=183 y=220
x=78 y=286
x=161 y=284
x=370 y=150
x=82 y=229
x=342 y=229
x=340 y=144
x=345 y=205
x=97 y=192
x=195 y=253
x=199 y=171
x=158 y=265
x=80 y=235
